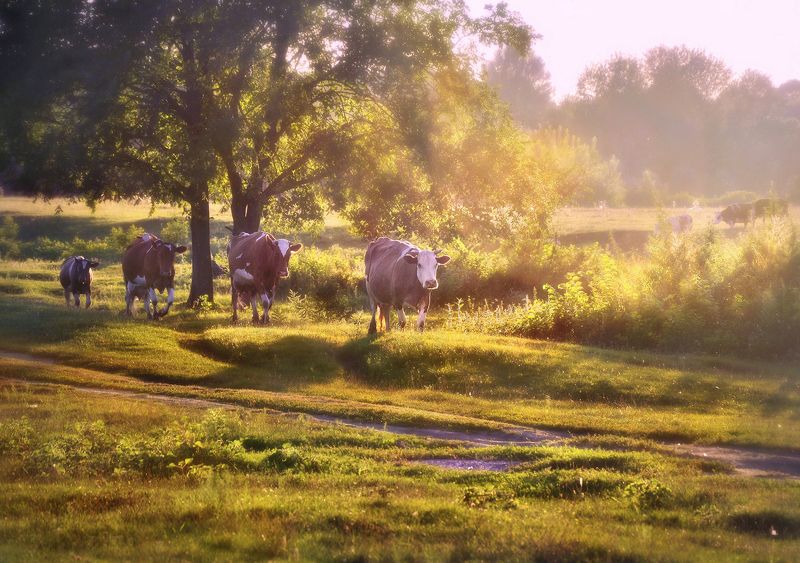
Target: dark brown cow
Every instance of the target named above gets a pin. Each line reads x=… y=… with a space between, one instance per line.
x=770 y=207
x=736 y=213
x=399 y=274
x=76 y=279
x=148 y=265
x=256 y=262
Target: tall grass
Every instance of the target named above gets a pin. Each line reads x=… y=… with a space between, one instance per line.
x=695 y=292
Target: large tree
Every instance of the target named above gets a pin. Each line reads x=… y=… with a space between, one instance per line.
x=162 y=99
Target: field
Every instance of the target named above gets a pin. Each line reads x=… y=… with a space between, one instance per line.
x=150 y=469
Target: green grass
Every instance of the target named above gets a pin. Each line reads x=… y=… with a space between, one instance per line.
x=304 y=365
x=108 y=478
x=90 y=476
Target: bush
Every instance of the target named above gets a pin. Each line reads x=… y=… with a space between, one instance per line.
x=9 y=245
x=696 y=292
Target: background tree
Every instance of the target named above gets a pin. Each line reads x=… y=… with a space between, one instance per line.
x=522 y=81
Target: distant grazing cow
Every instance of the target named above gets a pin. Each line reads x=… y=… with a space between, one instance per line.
x=149 y=265
x=678 y=224
x=76 y=279
x=398 y=274
x=736 y=213
x=256 y=262
x=770 y=207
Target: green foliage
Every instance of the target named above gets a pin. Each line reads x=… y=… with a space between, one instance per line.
x=290 y=458
x=175 y=231
x=9 y=245
x=575 y=169
x=648 y=494
x=695 y=292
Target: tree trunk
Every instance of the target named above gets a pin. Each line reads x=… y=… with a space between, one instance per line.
x=202 y=277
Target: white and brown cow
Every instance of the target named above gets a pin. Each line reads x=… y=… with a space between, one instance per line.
x=256 y=262
x=148 y=265
x=400 y=274
x=76 y=279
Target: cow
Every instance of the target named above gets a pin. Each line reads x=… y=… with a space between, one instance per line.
x=256 y=262
x=399 y=274
x=736 y=213
x=678 y=224
x=148 y=265
x=76 y=279
x=770 y=207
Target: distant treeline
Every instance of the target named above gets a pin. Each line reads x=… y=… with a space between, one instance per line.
x=672 y=123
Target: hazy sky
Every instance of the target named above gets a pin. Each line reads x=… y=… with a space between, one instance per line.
x=762 y=35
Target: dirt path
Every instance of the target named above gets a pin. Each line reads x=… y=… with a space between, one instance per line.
x=751 y=462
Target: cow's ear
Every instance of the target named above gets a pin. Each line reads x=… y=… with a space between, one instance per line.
x=94 y=264
x=410 y=258
x=296 y=247
x=180 y=249
x=442 y=260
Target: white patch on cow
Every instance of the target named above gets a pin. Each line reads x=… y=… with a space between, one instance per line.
x=283 y=246
x=242 y=254
x=426 y=269
x=242 y=277
x=153 y=296
x=171 y=296
x=265 y=300
x=146 y=237
x=138 y=280
x=131 y=287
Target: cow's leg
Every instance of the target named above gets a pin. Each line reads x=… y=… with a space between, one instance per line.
x=386 y=311
x=129 y=297
x=254 y=306
x=149 y=296
x=267 y=304
x=234 y=301
x=421 y=317
x=170 y=301
x=401 y=318
x=88 y=299
x=373 y=327
x=77 y=297
x=66 y=296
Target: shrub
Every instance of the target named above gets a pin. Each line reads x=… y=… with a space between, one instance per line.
x=695 y=292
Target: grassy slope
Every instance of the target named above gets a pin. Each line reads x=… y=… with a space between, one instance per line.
x=497 y=378
x=88 y=477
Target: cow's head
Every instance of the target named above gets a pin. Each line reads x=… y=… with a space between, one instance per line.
x=83 y=270
x=162 y=259
x=427 y=262
x=286 y=249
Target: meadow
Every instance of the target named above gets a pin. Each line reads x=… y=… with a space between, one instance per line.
x=105 y=476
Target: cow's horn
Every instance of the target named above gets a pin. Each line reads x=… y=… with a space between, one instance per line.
x=270 y=237
x=438 y=251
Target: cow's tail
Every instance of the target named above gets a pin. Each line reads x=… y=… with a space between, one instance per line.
x=367 y=258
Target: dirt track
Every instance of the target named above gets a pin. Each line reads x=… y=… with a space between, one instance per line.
x=751 y=462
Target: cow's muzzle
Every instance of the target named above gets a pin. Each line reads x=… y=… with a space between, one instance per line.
x=431 y=284
x=284 y=273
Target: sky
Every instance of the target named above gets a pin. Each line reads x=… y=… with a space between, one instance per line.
x=746 y=34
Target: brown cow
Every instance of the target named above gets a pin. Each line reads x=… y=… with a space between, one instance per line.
x=398 y=274
x=736 y=213
x=149 y=265
x=76 y=278
x=770 y=207
x=256 y=262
